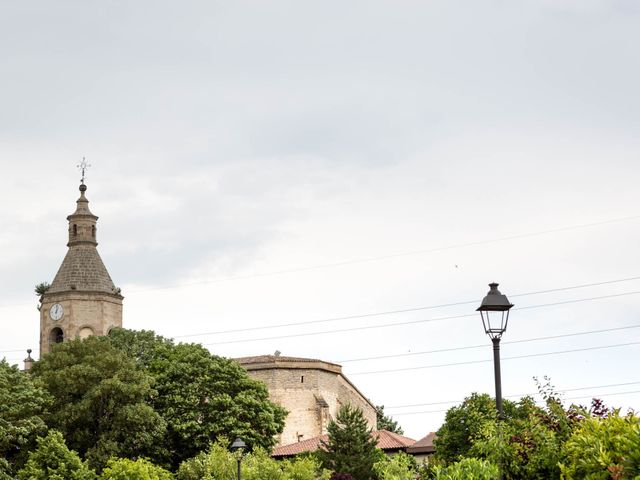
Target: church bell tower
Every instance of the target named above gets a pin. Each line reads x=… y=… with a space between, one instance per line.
x=82 y=300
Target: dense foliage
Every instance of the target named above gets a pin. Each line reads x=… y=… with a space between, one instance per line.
x=218 y=463
x=23 y=403
x=200 y=396
x=350 y=447
x=101 y=401
x=603 y=448
x=141 y=469
x=396 y=467
x=137 y=406
x=468 y=469
x=52 y=460
x=540 y=443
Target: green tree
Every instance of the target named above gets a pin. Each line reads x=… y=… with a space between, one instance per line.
x=214 y=464
x=527 y=446
x=100 y=401
x=260 y=466
x=23 y=402
x=218 y=463
x=141 y=469
x=604 y=448
x=468 y=469
x=463 y=424
x=385 y=422
x=52 y=460
x=201 y=396
x=468 y=422
x=40 y=290
x=304 y=468
x=350 y=447
x=396 y=467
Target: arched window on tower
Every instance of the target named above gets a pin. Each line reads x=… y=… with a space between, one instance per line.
x=75 y=229
x=93 y=231
x=56 y=335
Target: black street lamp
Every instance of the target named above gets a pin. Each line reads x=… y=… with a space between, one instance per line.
x=238 y=446
x=494 y=311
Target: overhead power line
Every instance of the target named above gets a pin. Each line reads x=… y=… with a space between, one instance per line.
x=404 y=310
x=484 y=345
x=410 y=322
x=569 y=398
x=470 y=362
x=520 y=395
x=374 y=258
x=397 y=255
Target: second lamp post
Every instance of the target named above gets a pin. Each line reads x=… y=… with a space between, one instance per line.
x=238 y=447
x=494 y=311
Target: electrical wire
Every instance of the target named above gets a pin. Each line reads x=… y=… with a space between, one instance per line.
x=483 y=345
x=470 y=362
x=404 y=310
x=570 y=398
x=373 y=259
x=398 y=255
x=411 y=322
x=515 y=396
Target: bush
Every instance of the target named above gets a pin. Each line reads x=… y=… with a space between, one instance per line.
x=604 y=448
x=469 y=469
x=141 y=469
x=52 y=460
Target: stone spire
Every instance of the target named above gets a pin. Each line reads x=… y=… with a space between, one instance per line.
x=82 y=268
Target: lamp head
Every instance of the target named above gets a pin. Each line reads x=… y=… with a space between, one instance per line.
x=494 y=311
x=238 y=444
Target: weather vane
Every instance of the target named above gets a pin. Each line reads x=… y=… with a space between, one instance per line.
x=83 y=165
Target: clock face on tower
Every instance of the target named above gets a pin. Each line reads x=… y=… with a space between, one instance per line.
x=56 y=312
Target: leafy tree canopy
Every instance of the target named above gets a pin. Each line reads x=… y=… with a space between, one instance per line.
x=100 y=401
x=385 y=422
x=23 y=402
x=396 y=467
x=201 y=396
x=219 y=463
x=350 y=447
x=52 y=460
x=141 y=469
x=466 y=422
x=604 y=448
x=468 y=469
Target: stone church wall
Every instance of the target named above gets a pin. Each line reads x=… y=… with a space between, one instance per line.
x=311 y=391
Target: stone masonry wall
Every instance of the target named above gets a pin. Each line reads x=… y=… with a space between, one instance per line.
x=312 y=397
x=84 y=314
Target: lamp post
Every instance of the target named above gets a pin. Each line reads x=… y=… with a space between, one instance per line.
x=494 y=311
x=238 y=446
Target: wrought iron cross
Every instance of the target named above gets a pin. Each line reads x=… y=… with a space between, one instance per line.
x=83 y=165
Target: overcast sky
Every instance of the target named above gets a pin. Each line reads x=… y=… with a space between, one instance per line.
x=255 y=164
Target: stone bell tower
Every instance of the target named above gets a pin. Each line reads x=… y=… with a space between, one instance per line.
x=82 y=300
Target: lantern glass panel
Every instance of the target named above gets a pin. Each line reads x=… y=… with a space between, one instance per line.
x=495 y=322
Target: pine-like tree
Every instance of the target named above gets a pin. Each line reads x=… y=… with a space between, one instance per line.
x=350 y=448
x=385 y=422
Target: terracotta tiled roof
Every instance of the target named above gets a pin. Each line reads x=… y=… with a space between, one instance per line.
x=310 y=445
x=424 y=445
x=386 y=441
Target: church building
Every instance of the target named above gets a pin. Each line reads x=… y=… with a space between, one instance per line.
x=311 y=390
x=82 y=300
